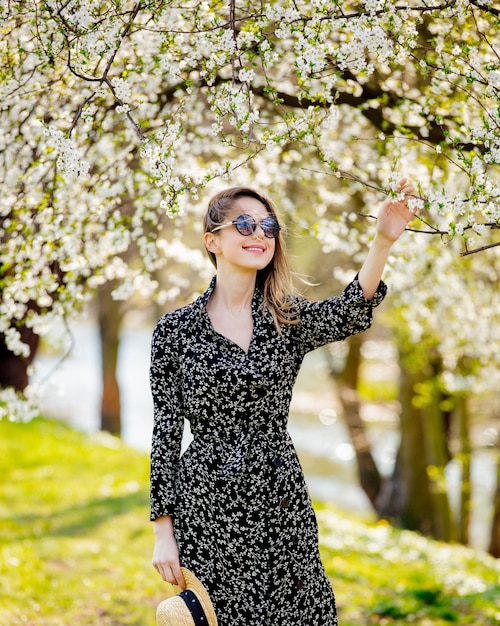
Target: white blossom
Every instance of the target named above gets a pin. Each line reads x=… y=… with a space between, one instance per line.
x=114 y=122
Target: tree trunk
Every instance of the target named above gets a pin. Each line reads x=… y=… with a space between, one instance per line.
x=415 y=497
x=462 y=414
x=406 y=496
x=437 y=457
x=494 y=547
x=347 y=382
x=14 y=368
x=109 y=318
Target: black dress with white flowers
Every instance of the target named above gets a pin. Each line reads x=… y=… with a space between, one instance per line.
x=242 y=514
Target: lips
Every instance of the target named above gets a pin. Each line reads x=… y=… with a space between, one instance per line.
x=254 y=248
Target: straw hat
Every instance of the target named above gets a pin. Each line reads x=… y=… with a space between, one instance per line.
x=191 y=607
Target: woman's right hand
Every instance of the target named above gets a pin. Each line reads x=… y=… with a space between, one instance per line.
x=166 y=553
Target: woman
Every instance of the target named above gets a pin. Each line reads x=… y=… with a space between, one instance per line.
x=234 y=508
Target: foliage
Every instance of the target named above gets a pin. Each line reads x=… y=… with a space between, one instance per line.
x=76 y=545
x=113 y=110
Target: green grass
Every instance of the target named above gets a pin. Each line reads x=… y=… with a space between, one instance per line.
x=76 y=544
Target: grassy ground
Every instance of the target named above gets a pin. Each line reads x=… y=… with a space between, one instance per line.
x=76 y=543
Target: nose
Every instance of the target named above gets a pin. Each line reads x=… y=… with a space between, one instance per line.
x=258 y=232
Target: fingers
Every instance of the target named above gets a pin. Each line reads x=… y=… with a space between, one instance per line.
x=407 y=191
x=403 y=187
x=170 y=572
x=166 y=559
x=179 y=578
x=167 y=573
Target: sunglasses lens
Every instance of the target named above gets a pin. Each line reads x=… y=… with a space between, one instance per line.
x=245 y=225
x=270 y=227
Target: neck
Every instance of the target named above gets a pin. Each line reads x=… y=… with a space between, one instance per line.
x=234 y=291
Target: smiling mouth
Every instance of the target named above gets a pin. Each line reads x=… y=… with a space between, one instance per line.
x=254 y=249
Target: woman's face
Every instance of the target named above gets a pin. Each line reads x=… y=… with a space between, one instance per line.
x=251 y=252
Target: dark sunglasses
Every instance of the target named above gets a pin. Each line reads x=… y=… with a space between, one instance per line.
x=246 y=225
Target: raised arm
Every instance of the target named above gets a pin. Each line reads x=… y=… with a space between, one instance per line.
x=393 y=218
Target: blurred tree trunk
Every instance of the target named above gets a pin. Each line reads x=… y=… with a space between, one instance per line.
x=406 y=496
x=415 y=496
x=109 y=319
x=13 y=367
x=462 y=415
x=347 y=383
x=494 y=547
x=437 y=458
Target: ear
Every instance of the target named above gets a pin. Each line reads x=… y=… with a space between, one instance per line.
x=211 y=242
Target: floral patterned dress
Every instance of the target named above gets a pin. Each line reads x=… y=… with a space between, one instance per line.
x=242 y=514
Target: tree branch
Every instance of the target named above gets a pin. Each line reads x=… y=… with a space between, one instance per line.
x=435 y=136
x=484 y=7
x=104 y=78
x=481 y=249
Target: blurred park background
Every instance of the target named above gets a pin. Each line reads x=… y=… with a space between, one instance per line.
x=119 y=120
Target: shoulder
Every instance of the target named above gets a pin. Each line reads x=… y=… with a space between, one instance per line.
x=170 y=332
x=183 y=317
x=176 y=317
x=175 y=322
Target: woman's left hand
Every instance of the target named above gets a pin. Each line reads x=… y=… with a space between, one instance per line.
x=394 y=214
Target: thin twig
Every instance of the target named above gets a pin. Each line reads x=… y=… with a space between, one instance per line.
x=80 y=111
x=481 y=249
x=66 y=354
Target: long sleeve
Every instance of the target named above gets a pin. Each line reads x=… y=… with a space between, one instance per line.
x=335 y=318
x=168 y=417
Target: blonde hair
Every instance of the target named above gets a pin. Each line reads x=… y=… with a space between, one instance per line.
x=275 y=280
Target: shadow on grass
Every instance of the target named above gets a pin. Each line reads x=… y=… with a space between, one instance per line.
x=75 y=520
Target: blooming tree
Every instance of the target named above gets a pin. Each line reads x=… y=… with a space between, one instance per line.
x=115 y=114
